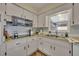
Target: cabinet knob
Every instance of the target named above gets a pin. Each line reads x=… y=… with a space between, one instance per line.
x=5 y=53
x=70 y=51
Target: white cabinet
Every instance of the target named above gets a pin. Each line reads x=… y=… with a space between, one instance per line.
x=2 y=49
x=14 y=10
x=16 y=48
x=44 y=46
x=0 y=8
x=35 y=21
x=61 y=48
x=41 y=21
x=75 y=14
x=19 y=51
x=47 y=19
x=32 y=46
x=55 y=47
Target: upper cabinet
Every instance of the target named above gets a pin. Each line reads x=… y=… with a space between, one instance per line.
x=75 y=14
x=35 y=21
x=41 y=21
x=0 y=8
x=14 y=10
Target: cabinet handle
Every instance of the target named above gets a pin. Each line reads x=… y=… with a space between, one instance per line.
x=28 y=46
x=5 y=53
x=54 y=48
x=69 y=51
x=73 y=22
x=24 y=47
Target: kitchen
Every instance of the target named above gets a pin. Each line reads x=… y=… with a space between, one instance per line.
x=29 y=29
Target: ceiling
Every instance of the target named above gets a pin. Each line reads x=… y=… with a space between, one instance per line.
x=39 y=8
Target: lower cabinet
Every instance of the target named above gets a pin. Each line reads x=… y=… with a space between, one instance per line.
x=16 y=48
x=19 y=51
x=44 y=46
x=60 y=51
x=2 y=49
x=32 y=46
x=50 y=47
x=61 y=48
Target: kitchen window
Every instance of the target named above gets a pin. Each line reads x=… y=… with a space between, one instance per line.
x=59 y=21
x=62 y=28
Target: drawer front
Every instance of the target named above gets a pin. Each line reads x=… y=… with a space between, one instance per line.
x=15 y=44
x=19 y=51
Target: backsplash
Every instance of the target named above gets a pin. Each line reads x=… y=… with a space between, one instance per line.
x=43 y=29
x=19 y=29
x=74 y=31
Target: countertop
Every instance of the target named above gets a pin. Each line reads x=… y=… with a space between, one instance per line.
x=74 y=40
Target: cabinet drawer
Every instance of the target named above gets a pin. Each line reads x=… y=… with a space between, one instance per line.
x=15 y=43
x=18 y=51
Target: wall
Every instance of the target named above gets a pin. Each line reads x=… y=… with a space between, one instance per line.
x=44 y=16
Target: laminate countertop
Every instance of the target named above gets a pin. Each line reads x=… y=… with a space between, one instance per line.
x=74 y=40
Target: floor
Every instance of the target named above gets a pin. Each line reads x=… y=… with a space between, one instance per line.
x=38 y=53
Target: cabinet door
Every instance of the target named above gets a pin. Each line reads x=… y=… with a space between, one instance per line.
x=34 y=21
x=14 y=10
x=41 y=21
x=47 y=18
x=0 y=8
x=76 y=13
x=32 y=46
x=61 y=49
x=19 y=51
x=44 y=46
x=2 y=49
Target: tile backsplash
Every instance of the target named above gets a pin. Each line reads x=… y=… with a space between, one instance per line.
x=19 y=29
